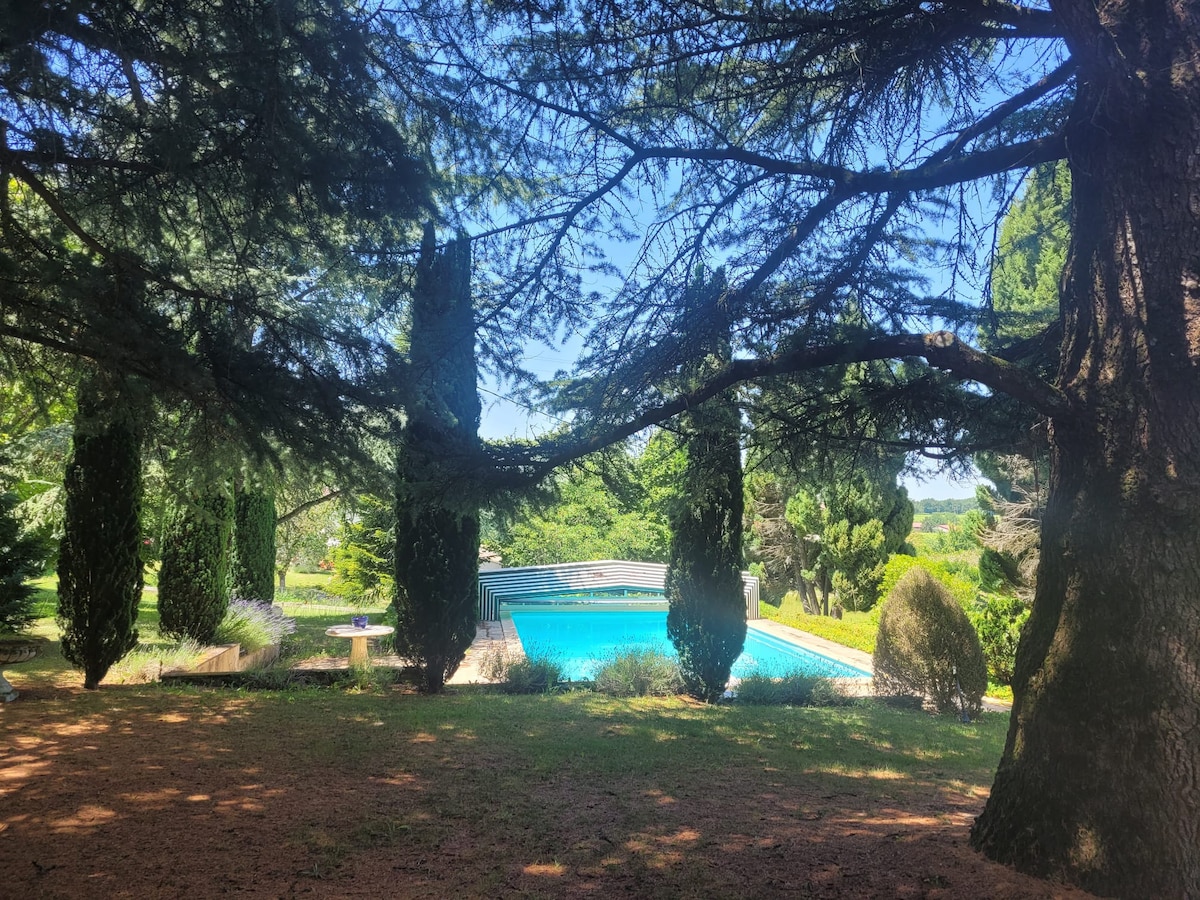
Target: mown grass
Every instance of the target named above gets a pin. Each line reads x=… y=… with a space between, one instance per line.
x=482 y=786
x=582 y=735
x=854 y=629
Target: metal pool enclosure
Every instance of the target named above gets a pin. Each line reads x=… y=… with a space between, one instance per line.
x=583 y=582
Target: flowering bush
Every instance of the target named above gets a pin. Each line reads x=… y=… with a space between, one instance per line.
x=253 y=625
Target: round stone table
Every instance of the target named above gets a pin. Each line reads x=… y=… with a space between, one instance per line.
x=15 y=652
x=358 y=639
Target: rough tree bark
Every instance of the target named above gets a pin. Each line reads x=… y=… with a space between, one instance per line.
x=1100 y=778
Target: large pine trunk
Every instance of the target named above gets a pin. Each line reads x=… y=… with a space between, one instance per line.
x=1100 y=778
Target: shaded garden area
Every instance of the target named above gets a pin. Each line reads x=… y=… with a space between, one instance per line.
x=143 y=791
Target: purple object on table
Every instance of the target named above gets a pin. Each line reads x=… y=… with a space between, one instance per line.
x=358 y=621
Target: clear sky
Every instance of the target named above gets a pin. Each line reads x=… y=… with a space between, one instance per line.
x=940 y=487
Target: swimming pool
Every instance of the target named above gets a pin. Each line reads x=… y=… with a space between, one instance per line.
x=581 y=638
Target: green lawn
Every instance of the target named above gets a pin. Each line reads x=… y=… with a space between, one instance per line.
x=854 y=629
x=313 y=614
x=477 y=794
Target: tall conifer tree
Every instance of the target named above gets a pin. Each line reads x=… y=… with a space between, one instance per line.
x=100 y=565
x=252 y=565
x=193 y=582
x=437 y=528
x=706 y=619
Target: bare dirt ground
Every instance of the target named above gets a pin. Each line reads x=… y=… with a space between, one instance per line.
x=160 y=795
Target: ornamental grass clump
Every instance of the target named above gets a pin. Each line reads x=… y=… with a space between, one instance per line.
x=535 y=674
x=639 y=672
x=926 y=646
x=253 y=625
x=792 y=689
x=538 y=673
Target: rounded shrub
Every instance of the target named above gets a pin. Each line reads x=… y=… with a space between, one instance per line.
x=924 y=641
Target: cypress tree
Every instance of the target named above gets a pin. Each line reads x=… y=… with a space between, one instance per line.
x=100 y=565
x=18 y=562
x=193 y=582
x=252 y=566
x=437 y=532
x=706 y=618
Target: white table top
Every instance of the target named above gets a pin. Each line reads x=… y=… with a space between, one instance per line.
x=349 y=631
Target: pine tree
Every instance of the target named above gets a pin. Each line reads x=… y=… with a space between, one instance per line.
x=100 y=565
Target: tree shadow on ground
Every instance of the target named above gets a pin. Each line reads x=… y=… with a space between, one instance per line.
x=145 y=792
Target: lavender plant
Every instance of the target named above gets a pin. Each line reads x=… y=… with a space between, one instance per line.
x=253 y=625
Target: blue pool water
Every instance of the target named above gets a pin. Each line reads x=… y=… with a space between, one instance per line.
x=579 y=639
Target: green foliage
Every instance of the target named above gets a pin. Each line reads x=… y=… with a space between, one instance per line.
x=100 y=565
x=926 y=645
x=310 y=515
x=253 y=625
x=178 y=136
x=793 y=689
x=858 y=523
x=964 y=590
x=1031 y=256
x=997 y=570
x=857 y=554
x=35 y=439
x=252 y=565
x=639 y=672
x=437 y=588
x=785 y=557
x=364 y=558
x=437 y=528
x=955 y=506
x=193 y=582
x=19 y=561
x=706 y=615
x=999 y=625
x=587 y=520
x=536 y=673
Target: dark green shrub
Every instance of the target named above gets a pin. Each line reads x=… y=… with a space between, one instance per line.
x=999 y=626
x=640 y=672
x=99 y=561
x=252 y=565
x=925 y=641
x=997 y=570
x=437 y=588
x=193 y=582
x=793 y=689
x=19 y=561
